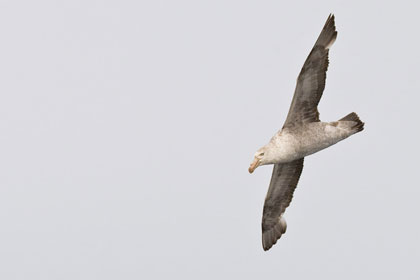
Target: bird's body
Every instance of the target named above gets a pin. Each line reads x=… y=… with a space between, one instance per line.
x=302 y=134
x=292 y=143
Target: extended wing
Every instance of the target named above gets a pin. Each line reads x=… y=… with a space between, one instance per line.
x=311 y=80
x=283 y=183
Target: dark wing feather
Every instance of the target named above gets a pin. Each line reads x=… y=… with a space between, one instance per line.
x=311 y=80
x=283 y=183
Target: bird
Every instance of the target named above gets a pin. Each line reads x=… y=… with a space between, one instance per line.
x=301 y=135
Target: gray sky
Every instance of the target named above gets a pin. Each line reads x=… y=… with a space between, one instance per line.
x=127 y=128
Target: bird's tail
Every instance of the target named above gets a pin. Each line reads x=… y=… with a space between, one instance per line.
x=328 y=34
x=353 y=117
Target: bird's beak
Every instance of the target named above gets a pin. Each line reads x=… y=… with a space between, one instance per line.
x=254 y=165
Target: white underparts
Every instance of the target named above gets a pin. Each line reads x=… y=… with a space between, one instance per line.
x=297 y=142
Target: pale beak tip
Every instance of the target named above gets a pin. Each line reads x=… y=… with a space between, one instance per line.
x=254 y=165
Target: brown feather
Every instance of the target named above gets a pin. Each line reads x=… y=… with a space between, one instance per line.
x=280 y=193
x=311 y=80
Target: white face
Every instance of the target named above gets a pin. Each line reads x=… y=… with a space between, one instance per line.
x=259 y=157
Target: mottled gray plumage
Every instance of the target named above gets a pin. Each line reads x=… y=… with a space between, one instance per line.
x=283 y=183
x=302 y=134
x=311 y=81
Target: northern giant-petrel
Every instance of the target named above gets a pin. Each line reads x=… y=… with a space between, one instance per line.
x=302 y=134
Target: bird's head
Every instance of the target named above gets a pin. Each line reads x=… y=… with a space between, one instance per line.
x=260 y=158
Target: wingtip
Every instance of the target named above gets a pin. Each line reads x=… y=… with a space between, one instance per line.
x=328 y=34
x=271 y=236
x=331 y=17
x=330 y=22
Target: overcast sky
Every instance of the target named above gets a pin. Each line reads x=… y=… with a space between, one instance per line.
x=127 y=128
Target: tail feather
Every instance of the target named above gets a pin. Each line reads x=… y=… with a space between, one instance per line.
x=353 y=117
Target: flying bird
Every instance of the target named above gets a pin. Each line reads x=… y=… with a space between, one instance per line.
x=302 y=134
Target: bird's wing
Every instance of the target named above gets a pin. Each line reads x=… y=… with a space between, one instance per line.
x=311 y=80
x=283 y=183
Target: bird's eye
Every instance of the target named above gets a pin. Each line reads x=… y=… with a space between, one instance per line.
x=261 y=154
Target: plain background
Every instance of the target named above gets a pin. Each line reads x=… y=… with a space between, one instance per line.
x=127 y=128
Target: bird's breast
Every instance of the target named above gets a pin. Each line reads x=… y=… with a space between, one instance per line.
x=296 y=143
x=314 y=137
x=287 y=147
